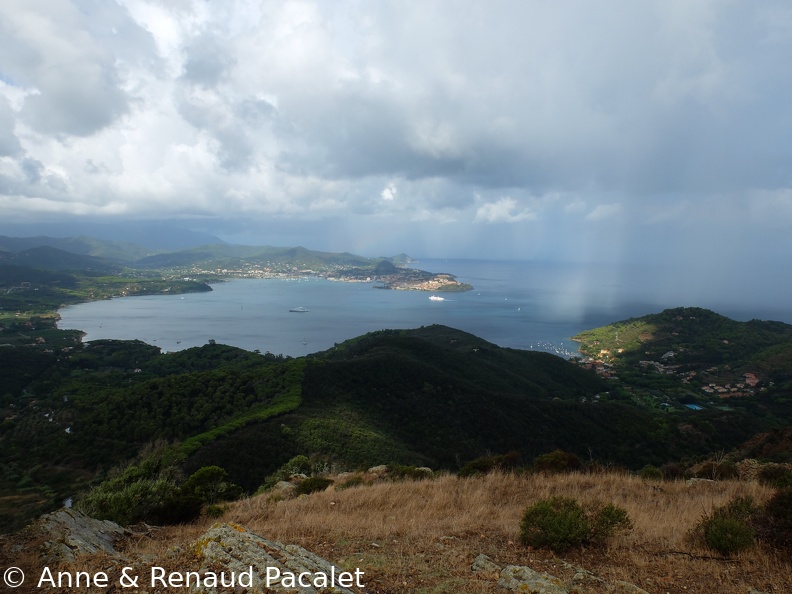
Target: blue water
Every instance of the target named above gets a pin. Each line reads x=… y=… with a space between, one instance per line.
x=524 y=305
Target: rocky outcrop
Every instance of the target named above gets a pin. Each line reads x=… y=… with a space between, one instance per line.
x=68 y=533
x=521 y=578
x=269 y=566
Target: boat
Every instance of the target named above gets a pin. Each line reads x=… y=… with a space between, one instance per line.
x=298 y=309
x=436 y=298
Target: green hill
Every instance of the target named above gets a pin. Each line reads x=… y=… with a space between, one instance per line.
x=51 y=258
x=431 y=396
x=84 y=246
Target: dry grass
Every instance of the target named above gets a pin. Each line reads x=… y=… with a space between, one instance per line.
x=423 y=536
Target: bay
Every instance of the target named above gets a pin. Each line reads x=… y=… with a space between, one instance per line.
x=523 y=305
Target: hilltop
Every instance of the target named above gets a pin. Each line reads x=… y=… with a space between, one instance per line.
x=426 y=536
x=432 y=396
x=696 y=358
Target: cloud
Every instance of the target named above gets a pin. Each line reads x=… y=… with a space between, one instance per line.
x=9 y=143
x=72 y=76
x=389 y=193
x=505 y=210
x=398 y=113
x=602 y=212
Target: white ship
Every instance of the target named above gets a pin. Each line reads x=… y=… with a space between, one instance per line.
x=298 y=309
x=436 y=298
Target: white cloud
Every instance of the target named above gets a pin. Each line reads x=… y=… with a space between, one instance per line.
x=505 y=210
x=575 y=207
x=602 y=212
x=389 y=193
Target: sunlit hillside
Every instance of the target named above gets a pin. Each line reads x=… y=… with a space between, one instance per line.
x=423 y=536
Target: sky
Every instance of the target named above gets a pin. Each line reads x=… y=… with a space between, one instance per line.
x=657 y=131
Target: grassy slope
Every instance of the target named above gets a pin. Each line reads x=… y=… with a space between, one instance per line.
x=423 y=536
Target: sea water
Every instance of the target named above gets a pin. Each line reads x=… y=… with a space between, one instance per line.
x=523 y=305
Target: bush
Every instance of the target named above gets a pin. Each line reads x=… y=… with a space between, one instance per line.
x=147 y=490
x=299 y=465
x=728 y=535
x=557 y=461
x=716 y=470
x=312 y=484
x=775 y=520
x=606 y=521
x=672 y=471
x=401 y=472
x=485 y=464
x=210 y=484
x=728 y=529
x=561 y=523
x=651 y=473
x=776 y=475
x=215 y=511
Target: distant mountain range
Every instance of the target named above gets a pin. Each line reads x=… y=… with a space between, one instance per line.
x=154 y=235
x=88 y=253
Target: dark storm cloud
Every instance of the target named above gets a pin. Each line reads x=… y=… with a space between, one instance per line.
x=523 y=125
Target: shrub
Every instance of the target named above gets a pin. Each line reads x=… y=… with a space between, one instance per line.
x=561 y=523
x=776 y=475
x=728 y=529
x=485 y=464
x=215 y=511
x=297 y=465
x=606 y=521
x=774 y=522
x=147 y=490
x=728 y=535
x=716 y=470
x=401 y=472
x=651 y=473
x=557 y=461
x=210 y=484
x=672 y=471
x=312 y=484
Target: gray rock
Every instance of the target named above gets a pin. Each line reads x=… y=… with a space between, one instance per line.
x=524 y=579
x=239 y=551
x=521 y=578
x=697 y=481
x=284 y=489
x=69 y=532
x=484 y=563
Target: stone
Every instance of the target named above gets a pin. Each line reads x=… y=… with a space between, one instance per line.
x=697 y=481
x=484 y=563
x=70 y=533
x=237 y=550
x=524 y=579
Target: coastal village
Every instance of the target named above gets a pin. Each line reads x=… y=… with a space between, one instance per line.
x=385 y=274
x=723 y=383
